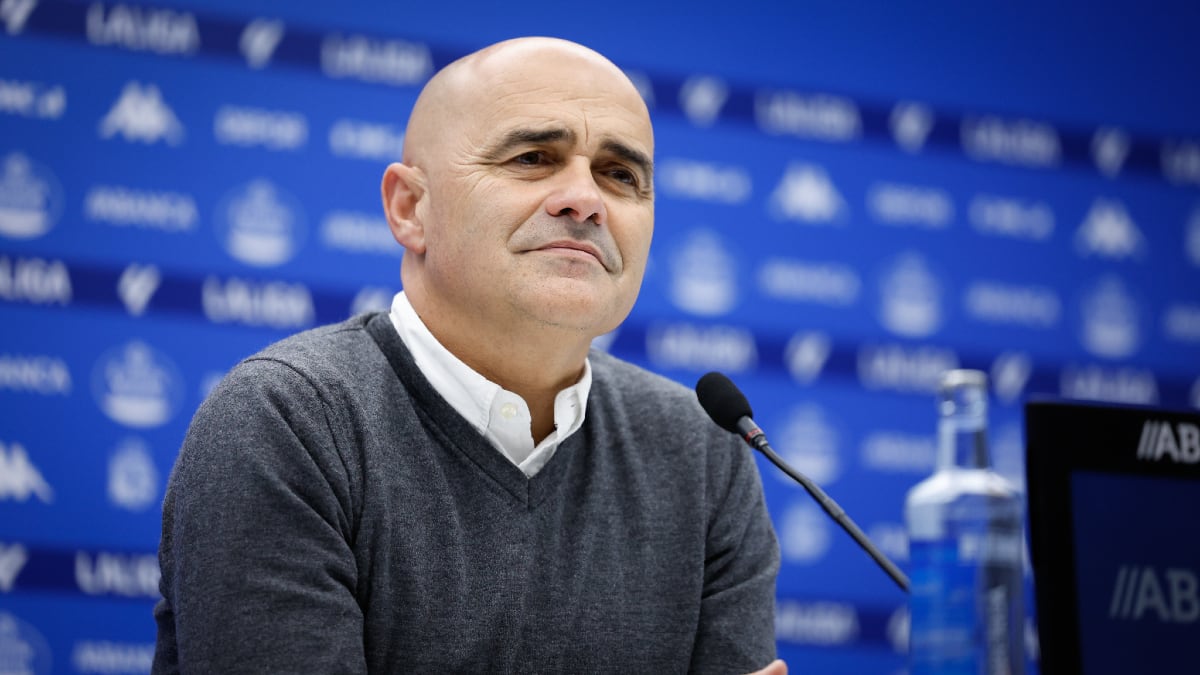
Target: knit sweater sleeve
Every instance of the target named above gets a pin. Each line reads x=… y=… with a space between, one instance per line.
x=258 y=571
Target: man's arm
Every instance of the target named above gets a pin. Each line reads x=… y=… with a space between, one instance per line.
x=257 y=571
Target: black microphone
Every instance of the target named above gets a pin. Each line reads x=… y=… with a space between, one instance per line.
x=728 y=407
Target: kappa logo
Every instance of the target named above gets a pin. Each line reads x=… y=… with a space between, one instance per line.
x=1162 y=440
x=137 y=285
x=702 y=98
x=136 y=386
x=911 y=123
x=703 y=276
x=14 y=14
x=30 y=198
x=910 y=297
x=1110 y=148
x=140 y=115
x=260 y=224
x=810 y=443
x=19 y=478
x=1108 y=232
x=1110 y=319
x=259 y=40
x=805 y=194
x=12 y=560
x=806 y=355
x=132 y=476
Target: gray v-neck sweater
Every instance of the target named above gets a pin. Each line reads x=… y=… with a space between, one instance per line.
x=330 y=512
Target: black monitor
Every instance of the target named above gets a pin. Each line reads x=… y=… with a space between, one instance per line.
x=1114 y=526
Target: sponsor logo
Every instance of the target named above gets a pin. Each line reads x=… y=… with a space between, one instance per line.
x=260 y=225
x=1009 y=374
x=703 y=275
x=22 y=648
x=1109 y=319
x=19 y=478
x=1181 y=162
x=804 y=535
x=806 y=354
x=395 y=62
x=30 y=198
x=816 y=623
x=32 y=99
x=1165 y=595
x=911 y=123
x=119 y=574
x=140 y=115
x=910 y=297
x=157 y=210
x=366 y=140
x=703 y=181
x=112 y=658
x=822 y=283
x=904 y=369
x=270 y=129
x=805 y=194
x=1012 y=218
x=1182 y=323
x=12 y=560
x=14 y=14
x=136 y=385
x=891 y=538
x=136 y=286
x=132 y=476
x=701 y=98
x=1179 y=442
x=898 y=629
x=274 y=304
x=358 y=233
x=1108 y=232
x=1110 y=148
x=1193 y=238
x=372 y=299
x=822 y=116
x=1119 y=385
x=259 y=40
x=1021 y=142
x=691 y=347
x=34 y=280
x=899 y=452
x=893 y=204
x=44 y=375
x=644 y=85
x=162 y=31
x=809 y=442
x=995 y=302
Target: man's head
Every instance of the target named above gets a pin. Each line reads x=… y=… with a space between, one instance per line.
x=525 y=199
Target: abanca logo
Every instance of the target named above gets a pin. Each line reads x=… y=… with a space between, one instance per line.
x=1162 y=440
x=30 y=198
x=260 y=225
x=136 y=385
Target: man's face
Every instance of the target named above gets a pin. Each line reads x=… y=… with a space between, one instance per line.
x=541 y=205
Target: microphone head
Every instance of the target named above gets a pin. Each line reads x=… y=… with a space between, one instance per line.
x=723 y=401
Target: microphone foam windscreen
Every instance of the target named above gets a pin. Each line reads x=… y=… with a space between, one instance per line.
x=722 y=400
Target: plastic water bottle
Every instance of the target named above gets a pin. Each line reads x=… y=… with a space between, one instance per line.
x=965 y=548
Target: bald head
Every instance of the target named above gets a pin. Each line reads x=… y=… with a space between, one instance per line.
x=459 y=93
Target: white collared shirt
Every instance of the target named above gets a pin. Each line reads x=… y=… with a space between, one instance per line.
x=500 y=415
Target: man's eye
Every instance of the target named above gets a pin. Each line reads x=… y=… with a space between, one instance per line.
x=531 y=158
x=623 y=176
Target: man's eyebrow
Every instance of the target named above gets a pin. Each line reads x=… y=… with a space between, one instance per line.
x=636 y=157
x=519 y=137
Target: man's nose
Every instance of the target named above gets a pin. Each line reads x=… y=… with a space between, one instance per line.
x=576 y=194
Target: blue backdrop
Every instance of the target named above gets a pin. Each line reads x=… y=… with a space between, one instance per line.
x=850 y=200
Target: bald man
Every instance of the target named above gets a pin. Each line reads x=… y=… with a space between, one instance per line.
x=461 y=484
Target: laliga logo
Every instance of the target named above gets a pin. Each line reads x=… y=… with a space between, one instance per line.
x=1110 y=319
x=132 y=476
x=136 y=385
x=702 y=98
x=22 y=648
x=260 y=225
x=259 y=40
x=911 y=124
x=910 y=297
x=703 y=276
x=1110 y=147
x=30 y=198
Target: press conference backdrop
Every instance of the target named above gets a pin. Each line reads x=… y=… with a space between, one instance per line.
x=182 y=183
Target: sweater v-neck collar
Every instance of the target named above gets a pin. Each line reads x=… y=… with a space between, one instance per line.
x=462 y=438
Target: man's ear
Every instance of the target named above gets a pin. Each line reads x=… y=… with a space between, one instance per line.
x=402 y=188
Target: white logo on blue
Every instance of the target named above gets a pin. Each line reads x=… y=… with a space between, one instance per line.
x=804 y=535
x=132 y=476
x=1110 y=319
x=910 y=297
x=806 y=194
x=702 y=98
x=703 y=276
x=260 y=224
x=136 y=385
x=809 y=443
x=140 y=115
x=806 y=354
x=259 y=39
x=911 y=124
x=20 y=478
x=1108 y=232
x=30 y=198
x=1110 y=147
x=22 y=648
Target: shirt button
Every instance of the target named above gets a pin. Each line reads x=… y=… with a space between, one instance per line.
x=508 y=410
